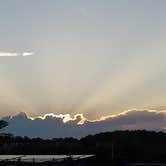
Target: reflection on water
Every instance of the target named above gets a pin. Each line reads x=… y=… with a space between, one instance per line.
x=41 y=158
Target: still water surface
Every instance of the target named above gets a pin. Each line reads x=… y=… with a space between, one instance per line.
x=41 y=158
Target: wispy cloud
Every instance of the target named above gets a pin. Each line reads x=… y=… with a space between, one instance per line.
x=27 y=53
x=13 y=54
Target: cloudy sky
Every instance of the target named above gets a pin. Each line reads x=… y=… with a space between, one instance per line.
x=51 y=127
x=93 y=57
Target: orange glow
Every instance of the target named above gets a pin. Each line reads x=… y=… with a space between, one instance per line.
x=65 y=118
x=68 y=118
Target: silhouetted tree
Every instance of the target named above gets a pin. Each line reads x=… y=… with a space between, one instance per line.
x=3 y=124
x=132 y=146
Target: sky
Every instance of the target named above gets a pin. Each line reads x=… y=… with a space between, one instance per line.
x=97 y=57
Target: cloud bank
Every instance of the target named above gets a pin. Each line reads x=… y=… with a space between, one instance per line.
x=13 y=54
x=50 y=126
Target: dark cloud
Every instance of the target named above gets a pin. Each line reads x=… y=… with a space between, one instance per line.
x=54 y=127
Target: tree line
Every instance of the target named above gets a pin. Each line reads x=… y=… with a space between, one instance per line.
x=131 y=146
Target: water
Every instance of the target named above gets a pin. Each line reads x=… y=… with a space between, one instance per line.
x=41 y=158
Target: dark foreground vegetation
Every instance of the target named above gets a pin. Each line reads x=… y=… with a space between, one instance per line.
x=117 y=146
